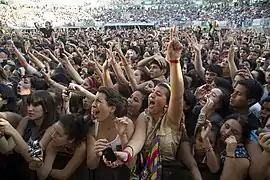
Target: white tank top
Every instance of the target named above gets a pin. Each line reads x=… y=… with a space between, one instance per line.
x=115 y=144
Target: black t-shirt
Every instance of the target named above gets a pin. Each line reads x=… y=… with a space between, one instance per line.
x=253 y=122
x=47 y=32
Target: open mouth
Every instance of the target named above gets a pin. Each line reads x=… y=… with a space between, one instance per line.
x=30 y=114
x=203 y=101
x=94 y=113
x=151 y=103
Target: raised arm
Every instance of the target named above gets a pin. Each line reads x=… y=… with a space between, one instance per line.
x=198 y=56
x=260 y=160
x=137 y=140
x=51 y=82
x=128 y=70
x=30 y=69
x=175 y=109
x=118 y=71
x=106 y=77
x=231 y=63
x=73 y=73
x=75 y=88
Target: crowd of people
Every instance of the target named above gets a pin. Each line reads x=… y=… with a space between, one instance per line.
x=134 y=104
x=158 y=12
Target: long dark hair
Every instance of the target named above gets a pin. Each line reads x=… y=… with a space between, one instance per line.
x=114 y=98
x=145 y=95
x=242 y=120
x=75 y=126
x=7 y=93
x=44 y=99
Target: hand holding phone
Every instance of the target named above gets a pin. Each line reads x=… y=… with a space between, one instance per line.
x=109 y=154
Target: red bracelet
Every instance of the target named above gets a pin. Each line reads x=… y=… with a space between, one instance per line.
x=233 y=157
x=128 y=158
x=174 y=61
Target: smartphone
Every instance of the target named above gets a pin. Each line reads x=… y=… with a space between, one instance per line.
x=109 y=154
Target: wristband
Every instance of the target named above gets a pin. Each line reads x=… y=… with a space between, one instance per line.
x=174 y=61
x=128 y=146
x=128 y=158
x=233 y=157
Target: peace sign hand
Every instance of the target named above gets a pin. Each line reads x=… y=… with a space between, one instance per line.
x=174 y=48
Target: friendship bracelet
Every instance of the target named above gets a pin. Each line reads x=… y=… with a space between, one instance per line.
x=128 y=158
x=132 y=150
x=174 y=61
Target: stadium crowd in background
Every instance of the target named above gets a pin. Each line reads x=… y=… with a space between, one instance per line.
x=164 y=13
x=142 y=103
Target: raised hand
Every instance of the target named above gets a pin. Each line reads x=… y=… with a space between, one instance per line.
x=109 y=61
x=27 y=46
x=231 y=50
x=66 y=95
x=75 y=88
x=62 y=45
x=194 y=43
x=246 y=73
x=46 y=75
x=175 y=48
